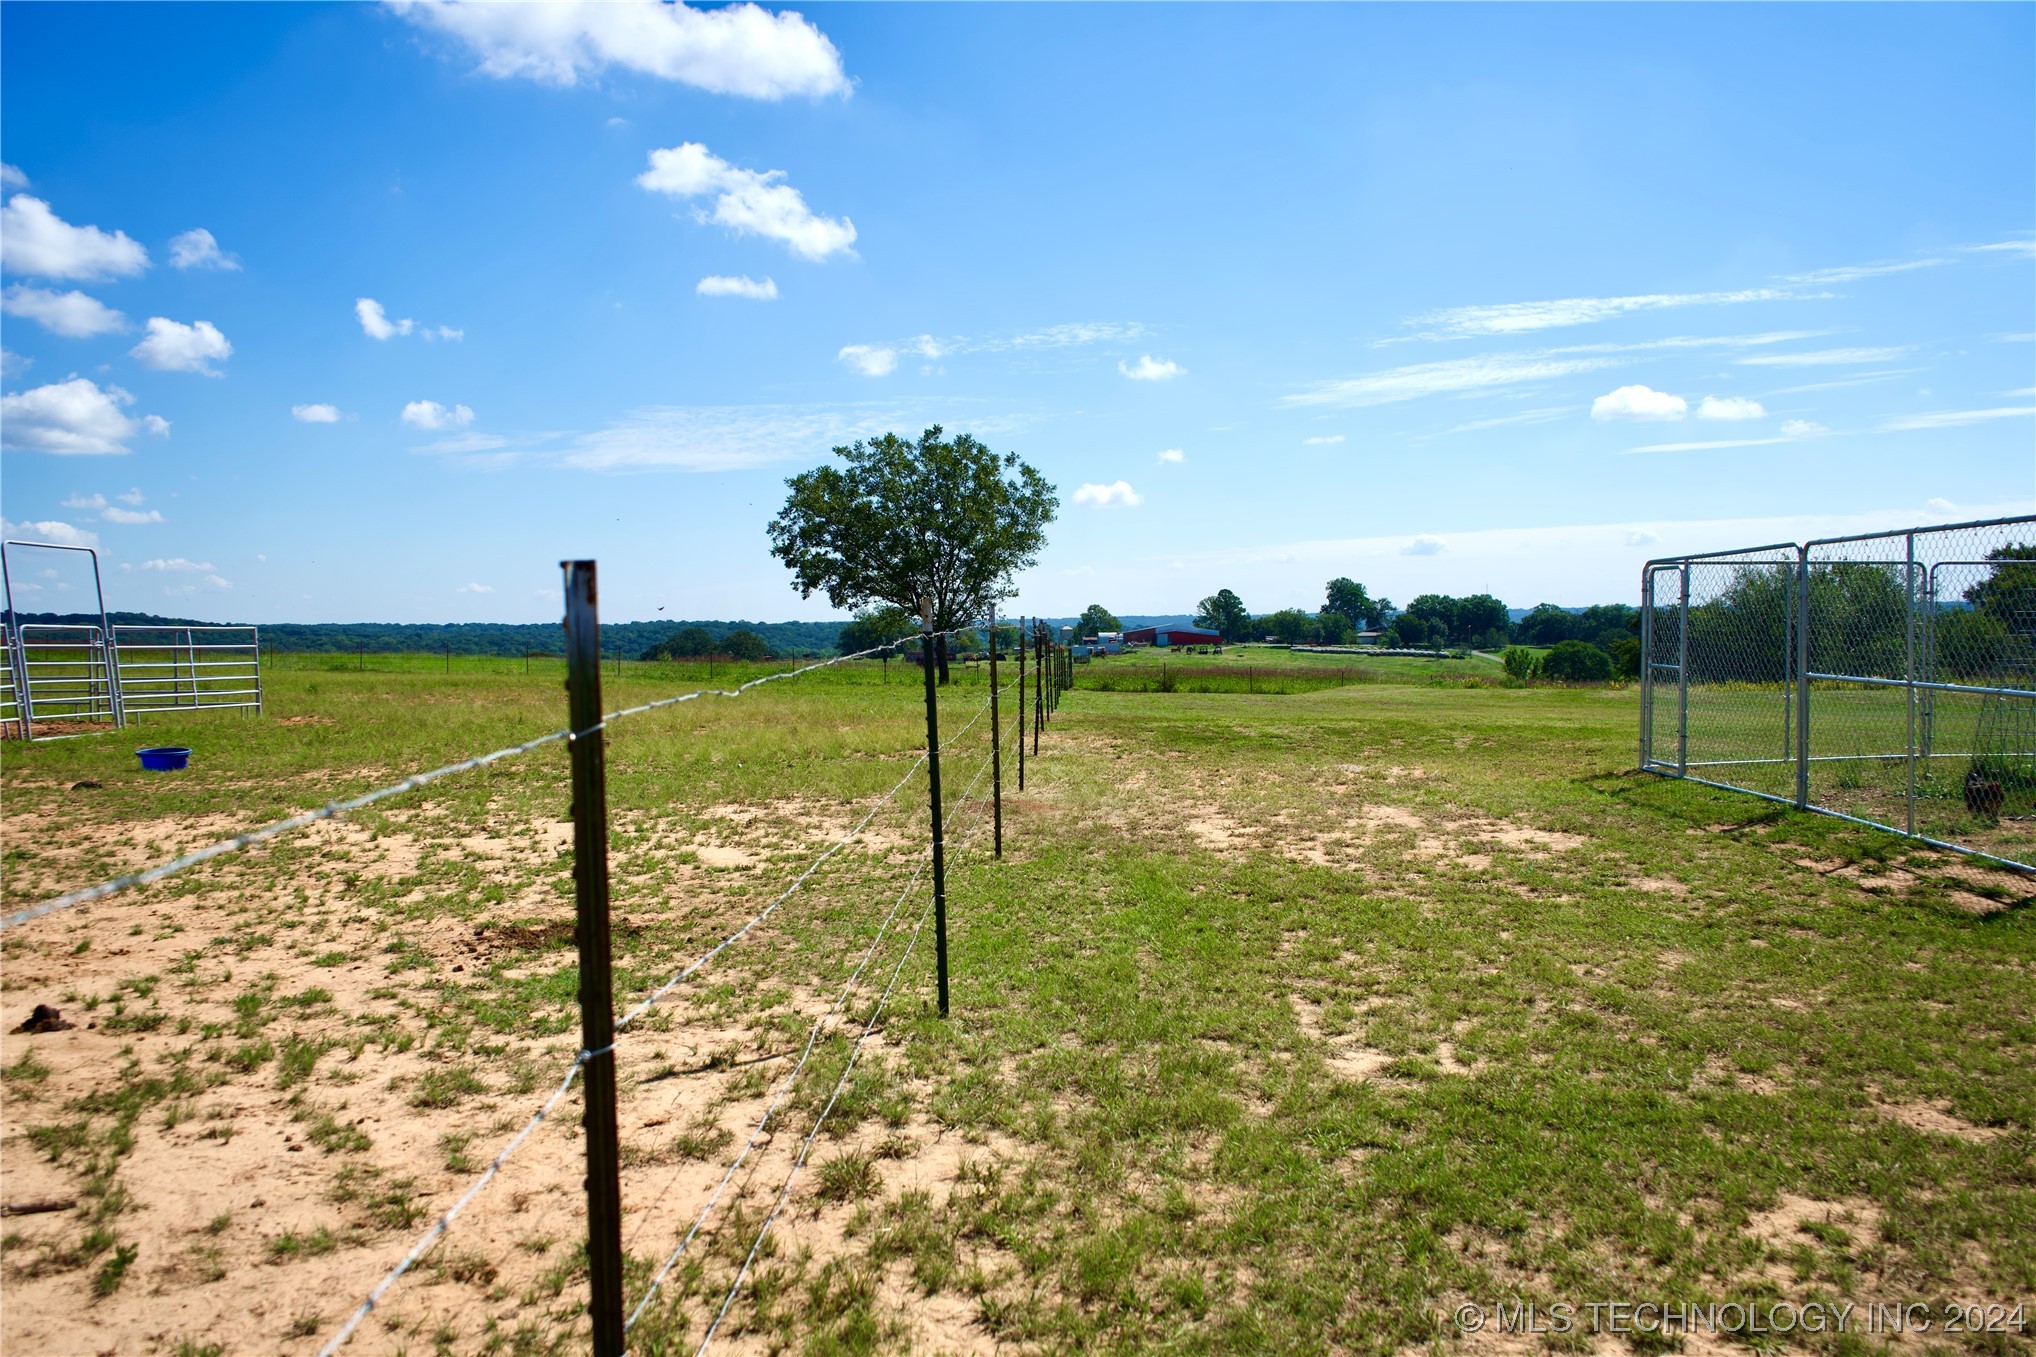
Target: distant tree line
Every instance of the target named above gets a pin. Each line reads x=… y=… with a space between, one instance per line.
x=631 y=639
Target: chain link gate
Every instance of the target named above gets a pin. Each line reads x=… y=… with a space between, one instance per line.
x=1887 y=678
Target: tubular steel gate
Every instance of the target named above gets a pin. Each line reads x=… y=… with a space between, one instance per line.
x=1888 y=679
x=81 y=674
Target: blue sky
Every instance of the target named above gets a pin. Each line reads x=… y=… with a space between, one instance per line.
x=383 y=310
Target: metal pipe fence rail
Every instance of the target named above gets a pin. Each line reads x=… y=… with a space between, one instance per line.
x=1886 y=678
x=177 y=684
x=66 y=673
x=194 y=668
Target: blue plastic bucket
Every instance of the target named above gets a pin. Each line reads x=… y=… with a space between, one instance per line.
x=164 y=758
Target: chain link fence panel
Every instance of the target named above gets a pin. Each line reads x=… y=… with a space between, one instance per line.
x=1888 y=678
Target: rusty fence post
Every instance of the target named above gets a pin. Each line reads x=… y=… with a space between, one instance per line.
x=597 y=981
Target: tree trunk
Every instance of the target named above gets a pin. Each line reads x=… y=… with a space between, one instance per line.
x=940 y=650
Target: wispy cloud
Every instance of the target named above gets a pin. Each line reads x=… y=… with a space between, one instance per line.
x=1825 y=357
x=1416 y=380
x=432 y=415
x=1730 y=408
x=1540 y=416
x=1954 y=419
x=196 y=249
x=1174 y=456
x=316 y=413
x=1516 y=318
x=375 y=324
x=1852 y=273
x=2014 y=249
x=1322 y=440
x=1863 y=379
x=70 y=314
x=727 y=437
x=1424 y=545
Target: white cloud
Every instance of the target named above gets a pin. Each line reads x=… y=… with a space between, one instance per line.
x=1150 y=369
x=70 y=314
x=432 y=415
x=75 y=417
x=1174 y=456
x=442 y=332
x=115 y=514
x=1456 y=374
x=717 y=285
x=49 y=530
x=13 y=364
x=375 y=321
x=156 y=425
x=317 y=413
x=1639 y=402
x=93 y=502
x=171 y=346
x=1854 y=272
x=1512 y=318
x=1942 y=506
x=177 y=565
x=1803 y=428
x=747 y=202
x=1640 y=537
x=741 y=49
x=475 y=589
x=217 y=583
x=1424 y=545
x=868 y=359
x=1824 y=357
x=35 y=241
x=1730 y=407
x=1953 y=419
x=133 y=496
x=1117 y=494
x=2015 y=337
x=196 y=249
x=10 y=177
x=1322 y=440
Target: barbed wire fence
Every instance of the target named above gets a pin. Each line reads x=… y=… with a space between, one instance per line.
x=1047 y=676
x=1888 y=679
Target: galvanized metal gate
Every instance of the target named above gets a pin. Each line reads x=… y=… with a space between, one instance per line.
x=1886 y=678
x=66 y=675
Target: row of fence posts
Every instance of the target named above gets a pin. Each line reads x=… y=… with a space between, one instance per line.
x=1052 y=673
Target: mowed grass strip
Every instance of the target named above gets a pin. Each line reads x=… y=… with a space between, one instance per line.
x=1287 y=1022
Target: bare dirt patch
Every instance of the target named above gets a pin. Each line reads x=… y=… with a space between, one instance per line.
x=1936 y=1119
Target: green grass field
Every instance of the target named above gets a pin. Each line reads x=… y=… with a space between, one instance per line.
x=1289 y=1022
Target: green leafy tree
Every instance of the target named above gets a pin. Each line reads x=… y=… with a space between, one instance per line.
x=744 y=645
x=873 y=627
x=945 y=519
x=691 y=644
x=1410 y=631
x=1546 y=625
x=1292 y=626
x=1577 y=662
x=1521 y=662
x=1225 y=614
x=1625 y=656
x=1095 y=620
x=1348 y=599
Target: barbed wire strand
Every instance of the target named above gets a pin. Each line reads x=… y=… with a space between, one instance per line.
x=806 y=1146
x=786 y=1085
x=784 y=1091
x=438 y=1229
x=409 y=784
x=444 y=1222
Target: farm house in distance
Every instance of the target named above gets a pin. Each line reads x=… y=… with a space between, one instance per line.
x=1172 y=636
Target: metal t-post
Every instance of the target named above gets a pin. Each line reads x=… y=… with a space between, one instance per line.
x=996 y=744
x=1038 y=688
x=597 y=1000
x=1021 y=704
x=933 y=779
